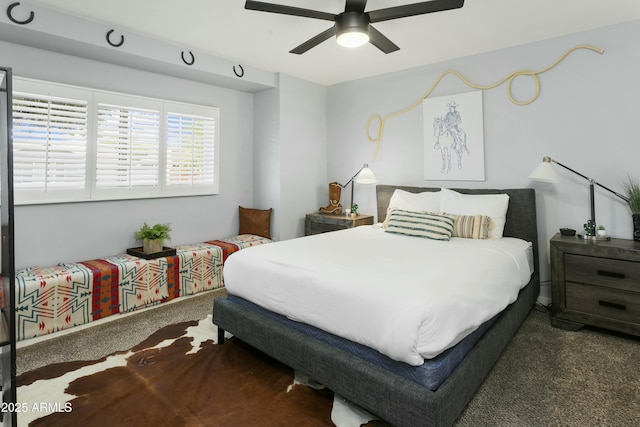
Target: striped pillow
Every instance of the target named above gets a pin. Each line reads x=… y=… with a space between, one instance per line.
x=472 y=226
x=421 y=224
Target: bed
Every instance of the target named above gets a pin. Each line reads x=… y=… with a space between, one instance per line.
x=347 y=368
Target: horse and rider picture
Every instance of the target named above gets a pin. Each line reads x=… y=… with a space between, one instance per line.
x=454 y=137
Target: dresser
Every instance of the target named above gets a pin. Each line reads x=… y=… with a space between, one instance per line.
x=595 y=283
x=316 y=223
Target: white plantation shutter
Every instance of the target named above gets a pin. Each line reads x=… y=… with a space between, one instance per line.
x=49 y=142
x=128 y=147
x=75 y=144
x=190 y=150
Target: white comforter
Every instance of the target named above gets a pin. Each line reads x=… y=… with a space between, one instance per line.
x=407 y=297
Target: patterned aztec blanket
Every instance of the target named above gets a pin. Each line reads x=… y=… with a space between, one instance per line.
x=50 y=299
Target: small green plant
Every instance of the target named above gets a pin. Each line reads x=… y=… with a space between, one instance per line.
x=601 y=227
x=157 y=232
x=354 y=209
x=632 y=191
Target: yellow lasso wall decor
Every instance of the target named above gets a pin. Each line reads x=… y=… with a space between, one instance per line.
x=533 y=74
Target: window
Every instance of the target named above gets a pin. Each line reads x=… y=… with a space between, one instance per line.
x=191 y=159
x=75 y=144
x=50 y=144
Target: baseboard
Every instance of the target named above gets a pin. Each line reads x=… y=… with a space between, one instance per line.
x=545 y=294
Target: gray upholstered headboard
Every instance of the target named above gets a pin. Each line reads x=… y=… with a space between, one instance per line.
x=521 y=215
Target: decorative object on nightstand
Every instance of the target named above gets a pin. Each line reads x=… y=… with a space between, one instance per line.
x=334 y=206
x=317 y=223
x=365 y=176
x=632 y=188
x=601 y=231
x=595 y=283
x=590 y=230
x=567 y=231
x=354 y=210
x=544 y=172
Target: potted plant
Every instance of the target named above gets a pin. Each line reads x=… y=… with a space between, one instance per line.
x=153 y=237
x=632 y=192
x=354 y=210
x=602 y=231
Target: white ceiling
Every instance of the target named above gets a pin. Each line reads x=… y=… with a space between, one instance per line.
x=223 y=28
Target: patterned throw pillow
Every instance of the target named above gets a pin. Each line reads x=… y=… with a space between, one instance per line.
x=491 y=205
x=472 y=226
x=421 y=224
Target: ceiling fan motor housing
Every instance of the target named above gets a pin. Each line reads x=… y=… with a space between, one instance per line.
x=352 y=24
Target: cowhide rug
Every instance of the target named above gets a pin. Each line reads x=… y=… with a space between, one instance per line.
x=176 y=377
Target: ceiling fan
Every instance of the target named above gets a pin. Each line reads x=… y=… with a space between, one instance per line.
x=352 y=27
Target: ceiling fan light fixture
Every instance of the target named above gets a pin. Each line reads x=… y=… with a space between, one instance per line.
x=352 y=29
x=352 y=38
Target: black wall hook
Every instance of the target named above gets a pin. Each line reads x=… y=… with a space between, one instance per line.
x=14 y=20
x=114 y=44
x=193 y=58
x=241 y=73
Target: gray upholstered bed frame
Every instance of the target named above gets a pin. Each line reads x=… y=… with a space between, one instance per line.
x=394 y=399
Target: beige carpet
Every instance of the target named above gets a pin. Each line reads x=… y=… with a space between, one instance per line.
x=119 y=333
x=546 y=376
x=552 y=377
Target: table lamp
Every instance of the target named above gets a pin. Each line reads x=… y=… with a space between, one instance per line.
x=545 y=172
x=365 y=176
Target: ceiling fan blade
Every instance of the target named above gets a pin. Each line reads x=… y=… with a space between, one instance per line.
x=288 y=10
x=355 y=6
x=377 y=39
x=314 y=41
x=414 y=9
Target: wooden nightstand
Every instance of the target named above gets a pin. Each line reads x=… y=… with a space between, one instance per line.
x=595 y=283
x=316 y=223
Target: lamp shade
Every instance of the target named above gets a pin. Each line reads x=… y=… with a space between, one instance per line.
x=366 y=176
x=544 y=172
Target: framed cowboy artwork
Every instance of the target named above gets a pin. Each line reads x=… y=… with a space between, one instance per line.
x=454 y=137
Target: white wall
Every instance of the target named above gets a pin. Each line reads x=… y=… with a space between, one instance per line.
x=266 y=161
x=49 y=234
x=290 y=153
x=303 y=152
x=585 y=117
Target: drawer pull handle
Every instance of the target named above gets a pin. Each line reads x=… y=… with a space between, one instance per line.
x=612 y=305
x=610 y=274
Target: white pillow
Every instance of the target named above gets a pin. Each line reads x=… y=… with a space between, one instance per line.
x=427 y=201
x=492 y=205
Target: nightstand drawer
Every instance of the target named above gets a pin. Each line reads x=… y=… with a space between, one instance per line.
x=603 y=271
x=319 y=227
x=605 y=302
x=316 y=223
